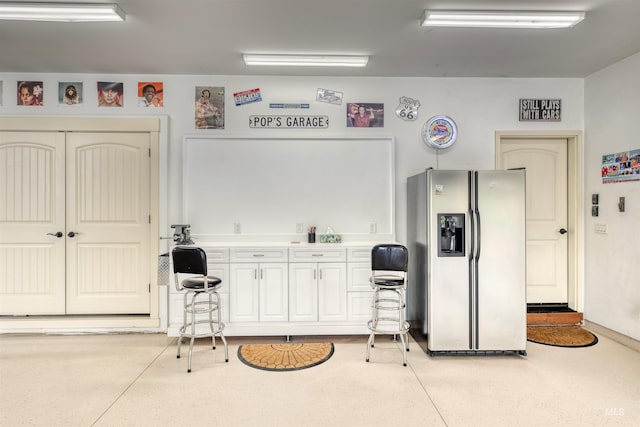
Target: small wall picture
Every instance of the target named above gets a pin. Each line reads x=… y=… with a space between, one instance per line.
x=110 y=94
x=209 y=113
x=365 y=115
x=329 y=96
x=30 y=93
x=69 y=93
x=150 y=94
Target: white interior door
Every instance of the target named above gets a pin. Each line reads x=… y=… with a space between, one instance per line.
x=108 y=227
x=545 y=161
x=32 y=211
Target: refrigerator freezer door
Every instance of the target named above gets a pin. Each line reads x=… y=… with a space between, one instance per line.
x=501 y=302
x=448 y=289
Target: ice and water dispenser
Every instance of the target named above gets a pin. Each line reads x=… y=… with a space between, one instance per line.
x=451 y=235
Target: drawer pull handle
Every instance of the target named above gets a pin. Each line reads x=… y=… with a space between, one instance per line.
x=317 y=254
x=258 y=255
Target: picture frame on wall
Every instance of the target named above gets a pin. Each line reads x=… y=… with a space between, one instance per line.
x=209 y=107
x=30 y=93
x=151 y=94
x=110 y=94
x=70 y=93
x=365 y=115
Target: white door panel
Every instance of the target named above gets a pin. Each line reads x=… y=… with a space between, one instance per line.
x=545 y=161
x=108 y=223
x=32 y=194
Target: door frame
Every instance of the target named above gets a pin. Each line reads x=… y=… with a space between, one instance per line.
x=575 y=200
x=157 y=128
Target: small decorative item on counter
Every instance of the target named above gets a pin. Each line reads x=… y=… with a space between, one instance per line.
x=330 y=237
x=311 y=237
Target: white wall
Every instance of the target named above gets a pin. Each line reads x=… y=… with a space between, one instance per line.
x=479 y=107
x=612 y=278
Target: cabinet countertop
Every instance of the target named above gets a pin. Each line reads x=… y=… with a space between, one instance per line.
x=286 y=244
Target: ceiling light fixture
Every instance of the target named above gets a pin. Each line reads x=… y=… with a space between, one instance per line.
x=61 y=12
x=306 y=60
x=500 y=19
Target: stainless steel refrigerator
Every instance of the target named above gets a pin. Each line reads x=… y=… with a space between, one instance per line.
x=466 y=240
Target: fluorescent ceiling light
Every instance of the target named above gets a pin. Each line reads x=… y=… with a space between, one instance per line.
x=306 y=60
x=500 y=19
x=61 y=12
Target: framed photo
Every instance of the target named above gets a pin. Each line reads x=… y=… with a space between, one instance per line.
x=110 y=94
x=329 y=96
x=209 y=109
x=365 y=115
x=30 y=93
x=69 y=93
x=150 y=94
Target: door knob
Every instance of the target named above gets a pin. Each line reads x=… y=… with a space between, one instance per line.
x=57 y=234
x=72 y=234
x=563 y=231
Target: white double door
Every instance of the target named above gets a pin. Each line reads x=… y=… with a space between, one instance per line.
x=74 y=223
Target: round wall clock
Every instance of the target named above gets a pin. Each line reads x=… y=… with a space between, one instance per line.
x=439 y=132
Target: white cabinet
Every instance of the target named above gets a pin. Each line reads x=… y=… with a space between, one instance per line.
x=303 y=292
x=317 y=284
x=332 y=292
x=258 y=290
x=289 y=289
x=359 y=292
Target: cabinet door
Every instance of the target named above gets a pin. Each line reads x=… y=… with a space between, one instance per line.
x=332 y=291
x=303 y=292
x=243 y=293
x=358 y=276
x=274 y=294
x=32 y=201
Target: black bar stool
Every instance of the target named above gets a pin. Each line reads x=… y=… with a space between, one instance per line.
x=389 y=282
x=200 y=297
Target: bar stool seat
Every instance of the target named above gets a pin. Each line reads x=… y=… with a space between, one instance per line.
x=389 y=282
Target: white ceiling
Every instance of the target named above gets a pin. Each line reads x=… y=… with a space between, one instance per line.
x=209 y=37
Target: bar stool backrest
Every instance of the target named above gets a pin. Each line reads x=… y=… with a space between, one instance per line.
x=389 y=257
x=189 y=260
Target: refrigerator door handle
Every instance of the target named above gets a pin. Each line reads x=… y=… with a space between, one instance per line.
x=476 y=282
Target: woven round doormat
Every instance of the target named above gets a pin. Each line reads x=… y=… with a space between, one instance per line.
x=561 y=336
x=285 y=356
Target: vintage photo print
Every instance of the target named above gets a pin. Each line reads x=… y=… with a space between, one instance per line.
x=150 y=94
x=110 y=94
x=329 y=96
x=209 y=113
x=69 y=93
x=365 y=115
x=30 y=93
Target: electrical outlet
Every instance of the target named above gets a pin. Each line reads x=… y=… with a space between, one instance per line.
x=600 y=228
x=299 y=227
x=373 y=228
x=237 y=228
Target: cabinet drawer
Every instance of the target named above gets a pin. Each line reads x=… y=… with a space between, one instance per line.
x=359 y=254
x=217 y=255
x=317 y=254
x=274 y=254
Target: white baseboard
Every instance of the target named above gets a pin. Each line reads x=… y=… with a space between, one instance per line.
x=616 y=336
